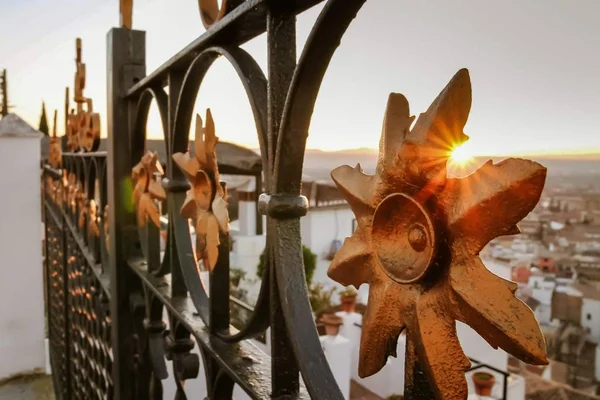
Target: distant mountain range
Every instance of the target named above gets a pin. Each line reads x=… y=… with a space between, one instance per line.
x=319 y=163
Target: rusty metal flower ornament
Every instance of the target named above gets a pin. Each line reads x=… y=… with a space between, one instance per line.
x=418 y=239
x=206 y=201
x=147 y=189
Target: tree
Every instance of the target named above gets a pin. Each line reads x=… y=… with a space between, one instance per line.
x=310 y=264
x=44 y=121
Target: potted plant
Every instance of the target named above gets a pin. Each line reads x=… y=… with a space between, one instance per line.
x=484 y=382
x=348 y=299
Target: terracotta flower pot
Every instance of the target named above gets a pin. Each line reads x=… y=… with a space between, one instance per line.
x=332 y=324
x=484 y=382
x=348 y=303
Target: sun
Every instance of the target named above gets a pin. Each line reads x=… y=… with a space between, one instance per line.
x=462 y=154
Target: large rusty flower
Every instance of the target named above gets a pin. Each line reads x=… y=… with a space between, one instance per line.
x=418 y=239
x=147 y=189
x=206 y=201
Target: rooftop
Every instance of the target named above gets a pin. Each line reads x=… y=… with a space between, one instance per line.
x=13 y=126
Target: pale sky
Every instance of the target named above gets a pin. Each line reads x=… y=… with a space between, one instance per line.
x=535 y=67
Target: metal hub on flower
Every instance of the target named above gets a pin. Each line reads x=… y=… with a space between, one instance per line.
x=403 y=238
x=418 y=239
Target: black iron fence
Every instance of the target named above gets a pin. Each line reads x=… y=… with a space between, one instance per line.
x=78 y=288
x=108 y=286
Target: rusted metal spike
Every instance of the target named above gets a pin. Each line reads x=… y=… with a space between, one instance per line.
x=417 y=243
x=54 y=148
x=126 y=10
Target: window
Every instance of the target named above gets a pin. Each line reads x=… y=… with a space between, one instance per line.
x=589 y=317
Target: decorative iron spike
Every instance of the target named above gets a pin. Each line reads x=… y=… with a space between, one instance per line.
x=147 y=189
x=82 y=127
x=54 y=146
x=418 y=239
x=206 y=200
x=126 y=11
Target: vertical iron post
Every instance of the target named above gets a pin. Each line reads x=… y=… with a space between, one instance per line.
x=126 y=64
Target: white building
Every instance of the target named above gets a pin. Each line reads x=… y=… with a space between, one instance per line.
x=21 y=278
x=590 y=309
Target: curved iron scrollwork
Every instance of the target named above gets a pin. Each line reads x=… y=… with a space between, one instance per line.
x=282 y=115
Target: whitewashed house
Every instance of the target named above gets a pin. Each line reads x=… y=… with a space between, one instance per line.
x=590 y=309
x=21 y=279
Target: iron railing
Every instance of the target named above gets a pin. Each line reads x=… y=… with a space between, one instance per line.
x=108 y=292
x=109 y=289
x=78 y=285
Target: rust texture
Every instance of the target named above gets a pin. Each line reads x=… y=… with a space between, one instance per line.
x=83 y=124
x=147 y=189
x=205 y=202
x=418 y=241
x=126 y=11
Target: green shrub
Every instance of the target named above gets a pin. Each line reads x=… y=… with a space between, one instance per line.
x=320 y=298
x=310 y=264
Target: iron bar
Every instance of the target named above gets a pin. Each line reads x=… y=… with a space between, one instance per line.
x=126 y=63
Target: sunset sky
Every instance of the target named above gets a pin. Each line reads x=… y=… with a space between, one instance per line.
x=535 y=67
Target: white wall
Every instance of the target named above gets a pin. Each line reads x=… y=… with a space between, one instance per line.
x=541 y=289
x=21 y=279
x=245 y=256
x=388 y=381
x=477 y=348
x=319 y=229
x=323 y=225
x=591 y=308
x=337 y=350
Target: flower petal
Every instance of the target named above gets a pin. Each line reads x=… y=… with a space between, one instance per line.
x=396 y=126
x=188 y=208
x=382 y=324
x=219 y=209
x=156 y=190
x=202 y=189
x=189 y=166
x=354 y=262
x=140 y=188
x=434 y=336
x=490 y=202
x=212 y=243
x=487 y=303
x=357 y=188
x=207 y=239
x=210 y=143
x=437 y=132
